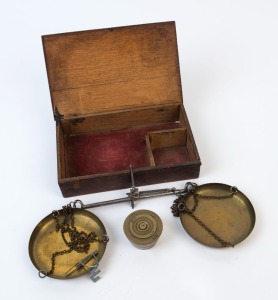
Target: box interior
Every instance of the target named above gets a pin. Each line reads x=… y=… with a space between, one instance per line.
x=111 y=142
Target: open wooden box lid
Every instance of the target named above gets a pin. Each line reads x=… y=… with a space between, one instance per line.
x=113 y=69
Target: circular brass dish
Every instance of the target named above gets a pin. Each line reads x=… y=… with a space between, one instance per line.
x=231 y=219
x=45 y=240
x=143 y=228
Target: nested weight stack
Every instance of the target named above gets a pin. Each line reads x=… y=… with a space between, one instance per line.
x=143 y=228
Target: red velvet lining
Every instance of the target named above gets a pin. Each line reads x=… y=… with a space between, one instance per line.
x=168 y=156
x=116 y=150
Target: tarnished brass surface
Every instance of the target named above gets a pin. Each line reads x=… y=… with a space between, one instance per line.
x=45 y=240
x=143 y=228
x=230 y=219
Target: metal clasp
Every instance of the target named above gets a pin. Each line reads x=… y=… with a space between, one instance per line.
x=82 y=263
x=93 y=269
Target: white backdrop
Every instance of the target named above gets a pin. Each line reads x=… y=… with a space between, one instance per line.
x=229 y=62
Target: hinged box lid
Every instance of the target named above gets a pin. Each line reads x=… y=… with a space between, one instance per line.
x=113 y=69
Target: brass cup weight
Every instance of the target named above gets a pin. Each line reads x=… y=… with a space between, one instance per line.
x=143 y=228
x=70 y=242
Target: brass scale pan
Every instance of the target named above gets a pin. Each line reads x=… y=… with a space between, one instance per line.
x=230 y=219
x=45 y=240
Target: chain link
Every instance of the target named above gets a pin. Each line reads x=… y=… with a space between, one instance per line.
x=79 y=241
x=207 y=229
x=179 y=206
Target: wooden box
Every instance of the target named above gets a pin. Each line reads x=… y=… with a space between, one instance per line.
x=117 y=101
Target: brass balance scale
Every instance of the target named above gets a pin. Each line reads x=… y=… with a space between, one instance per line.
x=70 y=242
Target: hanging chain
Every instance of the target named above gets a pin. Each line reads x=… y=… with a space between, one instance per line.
x=179 y=206
x=78 y=241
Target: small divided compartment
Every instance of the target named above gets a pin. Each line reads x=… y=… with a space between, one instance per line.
x=117 y=100
x=167 y=147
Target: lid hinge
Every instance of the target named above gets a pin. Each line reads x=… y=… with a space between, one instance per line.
x=57 y=116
